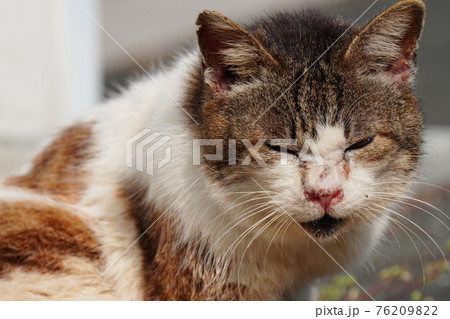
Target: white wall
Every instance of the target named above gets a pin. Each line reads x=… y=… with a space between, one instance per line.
x=50 y=62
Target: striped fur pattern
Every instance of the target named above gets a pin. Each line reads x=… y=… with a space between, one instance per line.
x=81 y=225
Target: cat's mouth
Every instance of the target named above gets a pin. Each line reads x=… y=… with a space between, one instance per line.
x=323 y=227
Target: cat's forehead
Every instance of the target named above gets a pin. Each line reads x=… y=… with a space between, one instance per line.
x=289 y=36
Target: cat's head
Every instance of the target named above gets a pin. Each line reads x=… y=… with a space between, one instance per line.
x=342 y=93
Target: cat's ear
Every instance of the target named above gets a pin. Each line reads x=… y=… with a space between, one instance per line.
x=387 y=45
x=229 y=53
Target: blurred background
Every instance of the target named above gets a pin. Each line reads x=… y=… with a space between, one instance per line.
x=60 y=58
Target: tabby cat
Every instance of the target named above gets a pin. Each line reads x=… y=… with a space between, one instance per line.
x=248 y=217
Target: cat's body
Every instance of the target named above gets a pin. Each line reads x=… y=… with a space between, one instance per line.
x=81 y=224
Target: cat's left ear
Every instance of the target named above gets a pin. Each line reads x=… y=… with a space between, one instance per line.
x=387 y=45
x=230 y=54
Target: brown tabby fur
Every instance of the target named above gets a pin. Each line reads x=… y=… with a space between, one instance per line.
x=39 y=236
x=58 y=171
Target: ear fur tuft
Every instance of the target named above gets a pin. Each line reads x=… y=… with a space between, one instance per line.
x=387 y=45
x=229 y=52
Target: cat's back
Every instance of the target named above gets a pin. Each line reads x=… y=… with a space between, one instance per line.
x=65 y=221
x=47 y=250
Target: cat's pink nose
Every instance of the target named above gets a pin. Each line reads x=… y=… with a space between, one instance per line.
x=325 y=197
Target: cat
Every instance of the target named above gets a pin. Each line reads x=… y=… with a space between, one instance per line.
x=255 y=218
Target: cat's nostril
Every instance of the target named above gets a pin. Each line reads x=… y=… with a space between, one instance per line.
x=325 y=198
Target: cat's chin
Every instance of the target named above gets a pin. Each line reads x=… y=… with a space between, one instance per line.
x=325 y=227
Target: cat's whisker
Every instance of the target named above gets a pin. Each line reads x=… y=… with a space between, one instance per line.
x=397 y=222
x=255 y=236
x=247 y=213
x=239 y=219
x=420 y=228
x=250 y=192
x=365 y=218
x=413 y=232
x=414 y=182
x=260 y=197
x=389 y=195
x=415 y=247
x=255 y=198
x=249 y=209
x=367 y=210
x=285 y=230
x=421 y=209
x=402 y=227
x=268 y=224
x=389 y=228
x=242 y=236
x=361 y=217
x=273 y=238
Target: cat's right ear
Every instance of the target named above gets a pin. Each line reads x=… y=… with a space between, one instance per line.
x=387 y=45
x=230 y=54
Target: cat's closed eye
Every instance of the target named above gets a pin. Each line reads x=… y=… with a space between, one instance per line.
x=281 y=149
x=360 y=144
